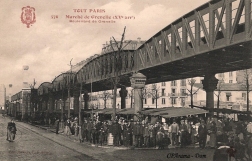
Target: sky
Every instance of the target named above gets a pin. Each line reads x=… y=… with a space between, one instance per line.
x=49 y=44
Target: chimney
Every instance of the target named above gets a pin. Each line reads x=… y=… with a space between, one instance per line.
x=138 y=39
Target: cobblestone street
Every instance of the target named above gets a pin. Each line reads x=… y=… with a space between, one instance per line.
x=29 y=145
x=33 y=143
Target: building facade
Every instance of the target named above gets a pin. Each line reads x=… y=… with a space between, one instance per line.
x=2 y=97
x=230 y=92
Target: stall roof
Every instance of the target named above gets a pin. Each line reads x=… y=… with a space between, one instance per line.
x=154 y=110
x=224 y=110
x=94 y=111
x=164 y=112
x=127 y=111
x=161 y=111
x=180 y=111
x=110 y=111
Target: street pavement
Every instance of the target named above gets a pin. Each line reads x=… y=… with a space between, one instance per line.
x=34 y=143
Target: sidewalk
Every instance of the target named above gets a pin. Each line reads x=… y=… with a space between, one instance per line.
x=95 y=152
x=76 y=139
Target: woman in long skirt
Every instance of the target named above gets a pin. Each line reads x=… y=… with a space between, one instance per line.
x=213 y=131
x=67 y=128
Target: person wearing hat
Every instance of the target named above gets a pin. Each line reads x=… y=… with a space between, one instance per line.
x=174 y=132
x=183 y=132
x=202 y=132
x=116 y=131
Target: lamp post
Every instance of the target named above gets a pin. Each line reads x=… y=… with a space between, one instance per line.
x=25 y=91
x=137 y=81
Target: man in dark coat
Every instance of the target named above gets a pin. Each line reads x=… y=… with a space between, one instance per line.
x=84 y=131
x=202 y=131
x=137 y=134
x=183 y=133
x=57 y=125
x=89 y=131
x=116 y=131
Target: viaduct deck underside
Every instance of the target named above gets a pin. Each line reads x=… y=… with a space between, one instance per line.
x=231 y=58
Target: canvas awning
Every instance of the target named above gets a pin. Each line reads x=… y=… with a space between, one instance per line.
x=180 y=111
x=154 y=110
x=94 y=111
x=224 y=110
x=109 y=111
x=127 y=111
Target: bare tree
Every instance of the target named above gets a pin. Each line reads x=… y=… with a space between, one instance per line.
x=70 y=84
x=192 y=82
x=154 y=92
x=105 y=96
x=32 y=86
x=219 y=88
x=246 y=83
x=116 y=66
x=143 y=94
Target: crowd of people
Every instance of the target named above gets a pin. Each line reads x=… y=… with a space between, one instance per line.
x=182 y=132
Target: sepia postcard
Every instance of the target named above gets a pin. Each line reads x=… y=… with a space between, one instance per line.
x=106 y=80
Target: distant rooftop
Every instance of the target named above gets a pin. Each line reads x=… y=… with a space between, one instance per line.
x=127 y=45
x=226 y=87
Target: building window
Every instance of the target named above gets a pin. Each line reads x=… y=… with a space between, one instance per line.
x=153 y=100
x=230 y=74
x=163 y=92
x=244 y=96
x=173 y=90
x=183 y=82
x=145 y=101
x=173 y=101
x=183 y=92
x=221 y=75
x=163 y=101
x=182 y=102
x=163 y=84
x=228 y=96
x=173 y=83
x=230 y=81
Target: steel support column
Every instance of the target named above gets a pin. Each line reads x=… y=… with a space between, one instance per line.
x=86 y=100
x=123 y=93
x=76 y=95
x=209 y=85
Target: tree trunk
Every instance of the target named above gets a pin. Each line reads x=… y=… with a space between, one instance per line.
x=68 y=110
x=248 y=99
x=80 y=105
x=191 y=93
x=105 y=103
x=114 y=101
x=218 y=104
x=156 y=98
x=131 y=97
